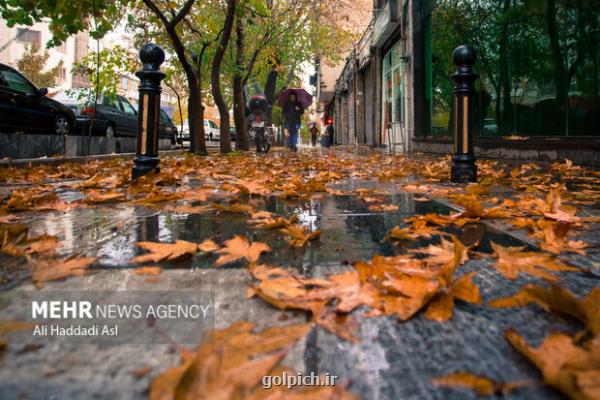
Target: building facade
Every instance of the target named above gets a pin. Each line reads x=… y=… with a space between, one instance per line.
x=538 y=67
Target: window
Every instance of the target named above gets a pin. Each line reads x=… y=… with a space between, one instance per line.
x=127 y=107
x=112 y=101
x=213 y=125
x=164 y=117
x=124 y=83
x=62 y=74
x=533 y=81
x=25 y=35
x=16 y=82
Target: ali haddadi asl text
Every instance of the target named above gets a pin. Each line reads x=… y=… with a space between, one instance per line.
x=76 y=330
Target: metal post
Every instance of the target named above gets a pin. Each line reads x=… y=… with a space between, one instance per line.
x=146 y=159
x=463 y=160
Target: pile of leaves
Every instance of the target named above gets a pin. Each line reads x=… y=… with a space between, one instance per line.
x=397 y=286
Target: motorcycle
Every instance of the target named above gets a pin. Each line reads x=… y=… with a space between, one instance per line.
x=257 y=107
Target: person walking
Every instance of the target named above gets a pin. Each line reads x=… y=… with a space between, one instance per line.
x=292 y=112
x=313 y=133
x=330 y=133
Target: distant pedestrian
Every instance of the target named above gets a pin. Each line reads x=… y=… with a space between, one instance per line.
x=314 y=133
x=292 y=111
x=330 y=132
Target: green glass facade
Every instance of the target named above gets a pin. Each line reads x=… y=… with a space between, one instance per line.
x=538 y=65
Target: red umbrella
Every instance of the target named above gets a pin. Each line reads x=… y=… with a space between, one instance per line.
x=302 y=97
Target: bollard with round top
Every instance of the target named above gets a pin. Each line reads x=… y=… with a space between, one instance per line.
x=463 y=160
x=146 y=159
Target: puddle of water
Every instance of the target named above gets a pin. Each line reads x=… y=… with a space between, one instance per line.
x=350 y=231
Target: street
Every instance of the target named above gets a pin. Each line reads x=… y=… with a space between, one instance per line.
x=369 y=267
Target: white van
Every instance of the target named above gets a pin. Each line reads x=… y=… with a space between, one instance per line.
x=211 y=130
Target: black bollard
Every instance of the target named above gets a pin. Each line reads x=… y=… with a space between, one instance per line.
x=146 y=159
x=463 y=160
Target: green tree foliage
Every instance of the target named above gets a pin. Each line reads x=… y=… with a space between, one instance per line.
x=66 y=17
x=104 y=70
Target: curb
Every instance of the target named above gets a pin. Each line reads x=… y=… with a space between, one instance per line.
x=27 y=162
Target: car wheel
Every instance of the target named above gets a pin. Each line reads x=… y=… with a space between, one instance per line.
x=61 y=125
x=110 y=131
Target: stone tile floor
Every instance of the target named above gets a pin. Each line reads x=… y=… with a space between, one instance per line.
x=392 y=360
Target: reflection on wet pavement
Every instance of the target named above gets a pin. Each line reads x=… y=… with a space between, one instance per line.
x=350 y=231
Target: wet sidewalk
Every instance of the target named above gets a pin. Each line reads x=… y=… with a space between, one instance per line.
x=390 y=360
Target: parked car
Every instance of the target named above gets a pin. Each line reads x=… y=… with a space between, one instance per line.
x=25 y=108
x=211 y=130
x=112 y=116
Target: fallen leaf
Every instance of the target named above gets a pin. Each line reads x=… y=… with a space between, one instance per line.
x=480 y=385
x=7 y=327
x=574 y=370
x=559 y=300
x=513 y=260
x=299 y=235
x=164 y=251
x=208 y=246
x=235 y=208
x=440 y=309
x=148 y=270
x=238 y=248
x=55 y=269
x=95 y=197
x=228 y=364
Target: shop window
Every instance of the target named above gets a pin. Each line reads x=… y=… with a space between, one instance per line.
x=538 y=67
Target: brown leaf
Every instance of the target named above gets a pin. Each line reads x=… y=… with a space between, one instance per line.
x=299 y=235
x=463 y=288
x=512 y=260
x=238 y=248
x=95 y=197
x=150 y=270
x=235 y=208
x=164 y=251
x=574 y=370
x=188 y=209
x=397 y=233
x=208 y=246
x=7 y=327
x=53 y=269
x=228 y=364
x=559 y=300
x=480 y=385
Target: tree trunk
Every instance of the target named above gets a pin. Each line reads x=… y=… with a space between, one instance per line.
x=215 y=77
x=503 y=95
x=560 y=73
x=270 y=88
x=196 y=123
x=239 y=104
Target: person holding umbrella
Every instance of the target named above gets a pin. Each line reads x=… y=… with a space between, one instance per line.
x=293 y=102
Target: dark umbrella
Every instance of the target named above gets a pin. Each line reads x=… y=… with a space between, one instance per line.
x=302 y=97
